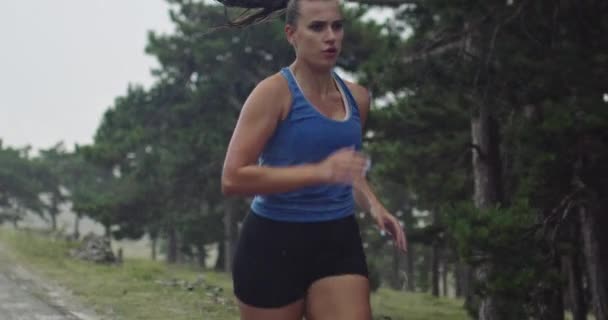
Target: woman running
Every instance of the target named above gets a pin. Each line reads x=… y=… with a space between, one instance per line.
x=296 y=149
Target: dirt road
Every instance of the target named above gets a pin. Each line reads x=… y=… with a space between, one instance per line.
x=26 y=296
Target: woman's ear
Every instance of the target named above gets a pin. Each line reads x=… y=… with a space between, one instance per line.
x=289 y=33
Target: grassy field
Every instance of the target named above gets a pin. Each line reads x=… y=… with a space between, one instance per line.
x=144 y=289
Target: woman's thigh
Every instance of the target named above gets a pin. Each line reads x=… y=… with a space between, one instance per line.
x=342 y=297
x=293 y=311
x=266 y=270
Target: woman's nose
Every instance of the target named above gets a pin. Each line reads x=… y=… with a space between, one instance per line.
x=330 y=34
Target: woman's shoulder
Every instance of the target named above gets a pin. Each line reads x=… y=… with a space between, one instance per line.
x=274 y=84
x=360 y=93
x=273 y=92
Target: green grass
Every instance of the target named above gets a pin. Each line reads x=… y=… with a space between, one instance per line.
x=132 y=290
x=416 y=306
x=569 y=316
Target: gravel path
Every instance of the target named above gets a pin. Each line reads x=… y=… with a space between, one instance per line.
x=25 y=296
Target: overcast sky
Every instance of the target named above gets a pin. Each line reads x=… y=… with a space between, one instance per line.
x=63 y=62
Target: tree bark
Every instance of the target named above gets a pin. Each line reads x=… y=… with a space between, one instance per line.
x=154 y=245
x=444 y=277
x=411 y=272
x=425 y=270
x=179 y=253
x=107 y=230
x=486 y=159
x=593 y=220
x=593 y=253
x=435 y=269
x=487 y=189
x=172 y=244
x=552 y=304
x=602 y=223
x=53 y=222
x=575 y=291
x=19 y=213
x=53 y=219
x=467 y=276
x=54 y=211
x=77 y=226
x=221 y=256
x=395 y=269
x=458 y=279
x=435 y=258
x=229 y=233
x=202 y=255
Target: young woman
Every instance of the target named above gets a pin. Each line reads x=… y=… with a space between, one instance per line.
x=296 y=149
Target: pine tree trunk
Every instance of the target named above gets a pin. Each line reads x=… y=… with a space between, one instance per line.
x=595 y=268
x=179 y=254
x=593 y=222
x=19 y=212
x=463 y=277
x=458 y=279
x=444 y=277
x=77 y=226
x=229 y=233
x=172 y=244
x=575 y=291
x=154 y=245
x=435 y=269
x=552 y=307
x=411 y=272
x=53 y=220
x=221 y=256
x=54 y=211
x=488 y=190
x=395 y=268
x=602 y=224
x=435 y=258
x=202 y=255
x=426 y=270
x=556 y=304
x=488 y=308
x=470 y=301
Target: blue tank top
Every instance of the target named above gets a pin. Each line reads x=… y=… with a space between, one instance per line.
x=307 y=136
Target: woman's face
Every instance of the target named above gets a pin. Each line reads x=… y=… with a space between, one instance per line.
x=317 y=36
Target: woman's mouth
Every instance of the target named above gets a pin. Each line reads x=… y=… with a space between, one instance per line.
x=330 y=52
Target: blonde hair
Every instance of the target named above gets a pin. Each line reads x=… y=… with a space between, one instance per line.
x=291 y=8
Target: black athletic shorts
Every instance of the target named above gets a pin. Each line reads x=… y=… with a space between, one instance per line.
x=276 y=262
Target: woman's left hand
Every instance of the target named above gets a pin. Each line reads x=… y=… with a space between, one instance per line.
x=388 y=222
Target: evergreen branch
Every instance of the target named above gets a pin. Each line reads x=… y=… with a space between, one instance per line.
x=255 y=4
x=435 y=47
x=281 y=4
x=552 y=222
x=427 y=235
x=434 y=52
x=387 y=3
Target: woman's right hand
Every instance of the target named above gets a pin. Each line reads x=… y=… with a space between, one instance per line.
x=343 y=166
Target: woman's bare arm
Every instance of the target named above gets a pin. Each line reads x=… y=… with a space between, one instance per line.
x=363 y=193
x=257 y=122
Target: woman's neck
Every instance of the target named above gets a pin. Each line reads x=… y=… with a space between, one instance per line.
x=318 y=82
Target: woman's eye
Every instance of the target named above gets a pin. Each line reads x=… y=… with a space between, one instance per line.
x=337 y=26
x=316 y=26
